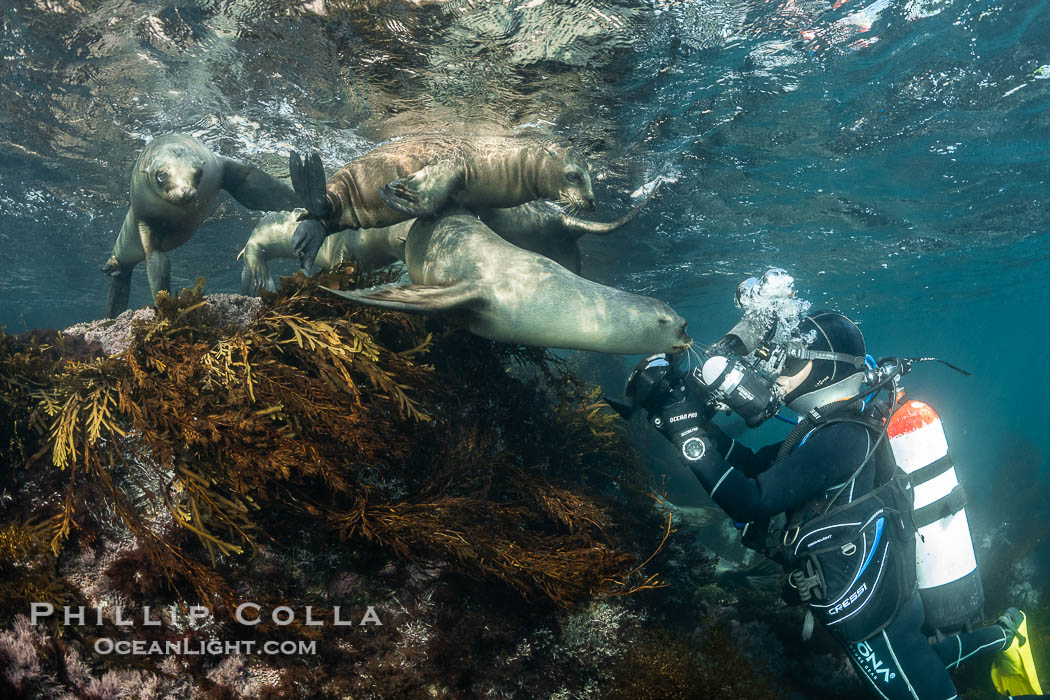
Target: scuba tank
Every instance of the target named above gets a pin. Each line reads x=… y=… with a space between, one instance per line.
x=948 y=578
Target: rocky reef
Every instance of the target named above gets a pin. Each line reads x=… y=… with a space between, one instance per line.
x=397 y=508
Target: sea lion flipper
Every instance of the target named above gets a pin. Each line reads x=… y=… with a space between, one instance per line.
x=306 y=241
x=309 y=181
x=581 y=226
x=255 y=274
x=119 y=291
x=416 y=297
x=158 y=271
x=424 y=192
x=256 y=189
x=158 y=267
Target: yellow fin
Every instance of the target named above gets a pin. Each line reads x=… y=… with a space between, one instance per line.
x=1013 y=670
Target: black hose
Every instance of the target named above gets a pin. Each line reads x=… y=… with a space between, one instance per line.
x=808 y=423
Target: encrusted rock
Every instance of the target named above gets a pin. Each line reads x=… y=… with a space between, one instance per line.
x=114 y=334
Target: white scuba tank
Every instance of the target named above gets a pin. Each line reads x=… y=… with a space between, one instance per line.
x=946 y=568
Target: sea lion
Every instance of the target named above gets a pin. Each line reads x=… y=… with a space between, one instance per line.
x=460 y=267
x=420 y=175
x=537 y=226
x=272 y=238
x=551 y=231
x=173 y=189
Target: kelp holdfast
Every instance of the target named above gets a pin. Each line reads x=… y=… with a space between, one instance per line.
x=854 y=565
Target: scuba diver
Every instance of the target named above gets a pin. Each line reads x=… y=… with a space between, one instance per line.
x=859 y=504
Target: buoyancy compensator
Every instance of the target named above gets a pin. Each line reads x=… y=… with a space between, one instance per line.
x=851 y=562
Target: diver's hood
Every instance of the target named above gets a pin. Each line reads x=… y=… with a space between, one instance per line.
x=845 y=388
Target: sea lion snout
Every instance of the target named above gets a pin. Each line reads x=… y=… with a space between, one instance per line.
x=179 y=180
x=685 y=343
x=185 y=195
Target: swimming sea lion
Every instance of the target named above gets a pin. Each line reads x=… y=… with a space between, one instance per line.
x=173 y=189
x=272 y=238
x=460 y=267
x=420 y=175
x=537 y=226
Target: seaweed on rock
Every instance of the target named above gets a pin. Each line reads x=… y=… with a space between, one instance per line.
x=350 y=419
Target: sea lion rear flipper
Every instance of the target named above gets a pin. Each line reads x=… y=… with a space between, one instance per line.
x=416 y=297
x=306 y=241
x=424 y=192
x=582 y=227
x=310 y=184
x=254 y=188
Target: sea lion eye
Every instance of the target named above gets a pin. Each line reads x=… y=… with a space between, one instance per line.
x=573 y=177
x=162 y=177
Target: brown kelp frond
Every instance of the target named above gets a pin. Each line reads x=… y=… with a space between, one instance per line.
x=583 y=411
x=83 y=411
x=562 y=505
x=494 y=539
x=27 y=570
x=202 y=438
x=662 y=666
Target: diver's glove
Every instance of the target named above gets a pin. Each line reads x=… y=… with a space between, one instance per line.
x=682 y=417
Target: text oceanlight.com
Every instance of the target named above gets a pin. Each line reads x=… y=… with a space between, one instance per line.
x=189 y=647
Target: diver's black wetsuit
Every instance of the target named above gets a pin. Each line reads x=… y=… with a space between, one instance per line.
x=898 y=662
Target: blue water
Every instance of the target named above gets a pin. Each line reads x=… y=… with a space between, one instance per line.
x=893 y=156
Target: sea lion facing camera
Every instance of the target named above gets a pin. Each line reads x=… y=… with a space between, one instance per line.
x=461 y=268
x=420 y=175
x=173 y=189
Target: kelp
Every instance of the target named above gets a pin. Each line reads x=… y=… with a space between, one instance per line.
x=662 y=666
x=368 y=424
x=27 y=572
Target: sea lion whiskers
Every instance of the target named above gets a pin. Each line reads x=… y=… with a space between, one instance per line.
x=568 y=204
x=692 y=353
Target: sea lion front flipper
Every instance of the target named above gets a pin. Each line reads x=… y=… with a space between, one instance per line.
x=255 y=274
x=256 y=189
x=119 y=291
x=158 y=271
x=418 y=298
x=310 y=184
x=158 y=267
x=424 y=192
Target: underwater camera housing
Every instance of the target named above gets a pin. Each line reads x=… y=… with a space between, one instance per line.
x=649 y=382
x=738 y=373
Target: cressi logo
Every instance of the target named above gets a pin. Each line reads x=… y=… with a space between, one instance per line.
x=849 y=601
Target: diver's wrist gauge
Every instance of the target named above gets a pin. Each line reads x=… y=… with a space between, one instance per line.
x=693 y=449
